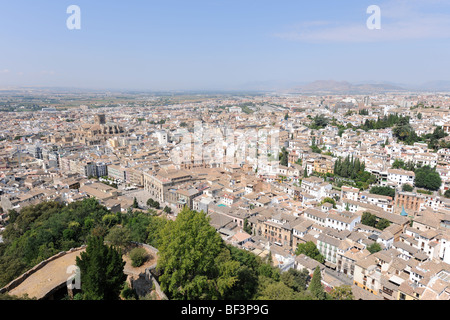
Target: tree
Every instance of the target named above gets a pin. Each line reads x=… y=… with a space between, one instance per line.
x=135 y=203
x=247 y=227
x=127 y=293
x=119 y=237
x=152 y=203
x=343 y=292
x=316 y=287
x=405 y=133
x=329 y=200
x=398 y=163
x=427 y=178
x=374 y=247
x=296 y=279
x=369 y=219
x=319 y=122
x=188 y=250
x=284 y=157
x=447 y=193
x=101 y=269
x=274 y=290
x=309 y=249
x=382 y=224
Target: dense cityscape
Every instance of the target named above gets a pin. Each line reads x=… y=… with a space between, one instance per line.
x=352 y=190
x=210 y=158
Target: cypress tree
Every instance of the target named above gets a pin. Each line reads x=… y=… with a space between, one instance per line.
x=101 y=269
x=315 y=287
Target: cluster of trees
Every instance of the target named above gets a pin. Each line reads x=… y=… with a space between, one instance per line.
x=434 y=139
x=384 y=191
x=349 y=168
x=319 y=122
x=371 y=220
x=101 y=271
x=405 y=133
x=354 y=169
x=388 y=121
x=40 y=231
x=400 y=164
x=153 y=204
x=314 y=147
x=425 y=176
x=363 y=112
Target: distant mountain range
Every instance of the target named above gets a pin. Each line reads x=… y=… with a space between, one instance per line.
x=345 y=87
x=296 y=87
x=441 y=85
x=331 y=86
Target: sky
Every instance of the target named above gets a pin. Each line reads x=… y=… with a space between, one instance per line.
x=221 y=44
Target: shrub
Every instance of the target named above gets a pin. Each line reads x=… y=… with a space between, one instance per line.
x=127 y=293
x=138 y=256
x=407 y=187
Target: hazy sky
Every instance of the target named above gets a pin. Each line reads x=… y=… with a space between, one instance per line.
x=213 y=44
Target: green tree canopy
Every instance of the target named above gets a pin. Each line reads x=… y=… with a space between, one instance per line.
x=407 y=187
x=101 y=269
x=384 y=191
x=369 y=219
x=188 y=251
x=138 y=256
x=427 y=177
x=374 y=247
x=343 y=292
x=310 y=249
x=119 y=237
x=316 y=287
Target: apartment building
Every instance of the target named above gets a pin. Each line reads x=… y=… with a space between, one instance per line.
x=410 y=201
x=117 y=172
x=158 y=184
x=384 y=202
x=400 y=177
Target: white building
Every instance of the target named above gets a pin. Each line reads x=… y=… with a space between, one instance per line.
x=400 y=176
